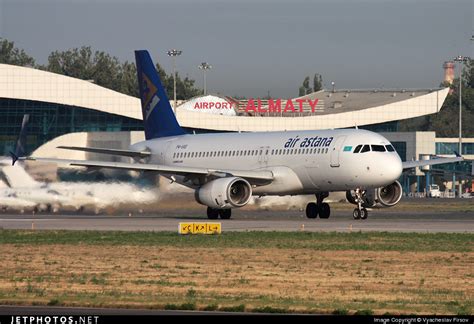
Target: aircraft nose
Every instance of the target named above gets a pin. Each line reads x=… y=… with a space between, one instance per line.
x=394 y=167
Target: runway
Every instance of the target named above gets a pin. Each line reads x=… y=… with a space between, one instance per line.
x=392 y=220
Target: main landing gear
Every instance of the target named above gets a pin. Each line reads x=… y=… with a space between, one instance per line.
x=213 y=213
x=360 y=212
x=318 y=208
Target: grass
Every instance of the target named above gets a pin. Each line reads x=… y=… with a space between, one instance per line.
x=359 y=241
x=270 y=272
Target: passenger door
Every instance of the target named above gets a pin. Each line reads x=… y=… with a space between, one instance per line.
x=336 y=150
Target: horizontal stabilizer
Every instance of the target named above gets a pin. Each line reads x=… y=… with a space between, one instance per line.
x=142 y=154
x=17 y=177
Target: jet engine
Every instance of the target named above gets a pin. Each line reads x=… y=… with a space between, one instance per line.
x=224 y=193
x=383 y=197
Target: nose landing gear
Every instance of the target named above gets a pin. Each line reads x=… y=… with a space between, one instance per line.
x=360 y=212
x=319 y=208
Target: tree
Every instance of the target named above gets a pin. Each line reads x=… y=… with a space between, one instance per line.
x=469 y=74
x=107 y=71
x=82 y=63
x=9 y=54
x=301 y=91
x=317 y=82
x=305 y=88
x=185 y=88
x=446 y=123
x=128 y=82
x=306 y=84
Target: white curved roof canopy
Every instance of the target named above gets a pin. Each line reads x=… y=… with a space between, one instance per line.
x=31 y=84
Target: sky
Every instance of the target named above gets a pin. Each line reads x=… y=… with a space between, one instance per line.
x=259 y=46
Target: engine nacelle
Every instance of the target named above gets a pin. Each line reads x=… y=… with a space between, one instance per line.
x=383 y=197
x=224 y=193
x=390 y=195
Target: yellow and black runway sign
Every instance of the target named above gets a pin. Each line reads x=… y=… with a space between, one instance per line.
x=200 y=228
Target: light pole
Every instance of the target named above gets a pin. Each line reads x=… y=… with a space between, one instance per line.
x=333 y=86
x=204 y=66
x=173 y=53
x=461 y=59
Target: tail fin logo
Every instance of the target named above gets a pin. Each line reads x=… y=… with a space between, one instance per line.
x=149 y=98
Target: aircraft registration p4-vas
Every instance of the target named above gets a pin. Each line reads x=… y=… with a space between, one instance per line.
x=226 y=169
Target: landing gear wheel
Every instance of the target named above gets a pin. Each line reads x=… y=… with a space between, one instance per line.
x=225 y=213
x=311 y=210
x=356 y=213
x=324 y=210
x=212 y=213
x=364 y=213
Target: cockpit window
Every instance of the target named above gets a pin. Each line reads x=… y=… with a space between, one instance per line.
x=366 y=148
x=357 y=149
x=378 y=148
x=390 y=148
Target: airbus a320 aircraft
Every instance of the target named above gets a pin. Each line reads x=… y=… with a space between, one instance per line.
x=226 y=169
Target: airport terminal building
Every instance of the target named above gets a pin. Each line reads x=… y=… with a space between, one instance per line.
x=69 y=111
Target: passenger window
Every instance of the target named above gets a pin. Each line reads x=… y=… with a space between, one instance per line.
x=390 y=148
x=357 y=149
x=378 y=148
x=366 y=148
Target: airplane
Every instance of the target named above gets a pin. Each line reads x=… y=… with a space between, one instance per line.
x=26 y=193
x=227 y=169
x=43 y=195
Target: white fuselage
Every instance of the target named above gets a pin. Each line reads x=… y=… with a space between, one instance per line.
x=301 y=161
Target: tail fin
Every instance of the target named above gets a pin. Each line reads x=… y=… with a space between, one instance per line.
x=21 y=142
x=158 y=117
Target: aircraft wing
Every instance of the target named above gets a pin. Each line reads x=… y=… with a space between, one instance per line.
x=128 y=153
x=420 y=163
x=253 y=176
